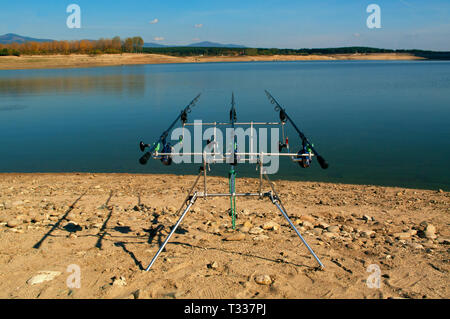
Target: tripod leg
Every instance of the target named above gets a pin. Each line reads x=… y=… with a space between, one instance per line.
x=276 y=203
x=191 y=202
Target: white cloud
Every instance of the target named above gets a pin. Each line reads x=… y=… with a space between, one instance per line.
x=158 y=38
x=154 y=21
x=200 y=25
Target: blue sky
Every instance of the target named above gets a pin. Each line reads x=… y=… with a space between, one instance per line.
x=406 y=24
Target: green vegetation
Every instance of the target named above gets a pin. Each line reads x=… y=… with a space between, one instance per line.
x=196 y=51
x=206 y=51
x=136 y=45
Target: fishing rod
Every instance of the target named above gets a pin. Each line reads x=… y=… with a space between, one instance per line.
x=233 y=119
x=283 y=117
x=161 y=143
x=232 y=173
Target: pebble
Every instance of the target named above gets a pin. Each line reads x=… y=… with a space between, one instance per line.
x=255 y=231
x=235 y=237
x=7 y=205
x=333 y=229
x=13 y=223
x=404 y=235
x=43 y=276
x=119 y=281
x=307 y=224
x=367 y=218
x=263 y=280
x=317 y=231
x=416 y=246
x=347 y=229
x=367 y=233
x=307 y=218
x=248 y=224
x=271 y=226
x=260 y=237
x=213 y=265
x=323 y=225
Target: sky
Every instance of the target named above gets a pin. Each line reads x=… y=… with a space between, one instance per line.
x=405 y=24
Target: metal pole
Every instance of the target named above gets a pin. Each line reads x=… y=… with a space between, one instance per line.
x=204 y=172
x=298 y=233
x=191 y=202
x=276 y=201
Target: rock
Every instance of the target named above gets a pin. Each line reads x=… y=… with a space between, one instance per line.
x=427 y=230
x=443 y=241
x=245 y=212
x=367 y=218
x=323 y=225
x=367 y=233
x=120 y=282
x=404 y=235
x=235 y=237
x=333 y=229
x=7 y=205
x=307 y=224
x=13 y=223
x=430 y=228
x=255 y=231
x=141 y=294
x=307 y=218
x=260 y=237
x=317 y=231
x=271 y=226
x=416 y=246
x=330 y=235
x=244 y=229
x=43 y=276
x=213 y=265
x=430 y=235
x=263 y=280
x=347 y=229
x=36 y=218
x=248 y=224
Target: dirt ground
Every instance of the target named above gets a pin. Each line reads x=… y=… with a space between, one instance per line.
x=111 y=225
x=82 y=60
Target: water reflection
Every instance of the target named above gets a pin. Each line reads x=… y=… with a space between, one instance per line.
x=5 y=108
x=117 y=84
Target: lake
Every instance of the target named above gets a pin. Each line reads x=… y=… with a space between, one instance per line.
x=375 y=122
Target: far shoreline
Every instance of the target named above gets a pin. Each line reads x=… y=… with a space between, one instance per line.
x=27 y=62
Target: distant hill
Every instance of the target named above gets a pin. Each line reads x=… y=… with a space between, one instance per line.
x=207 y=44
x=154 y=45
x=204 y=44
x=11 y=38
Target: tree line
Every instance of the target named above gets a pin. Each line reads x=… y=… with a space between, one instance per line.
x=112 y=46
x=219 y=51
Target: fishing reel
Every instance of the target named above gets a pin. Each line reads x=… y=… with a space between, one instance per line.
x=166 y=150
x=283 y=145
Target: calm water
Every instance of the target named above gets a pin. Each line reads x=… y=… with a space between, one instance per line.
x=385 y=123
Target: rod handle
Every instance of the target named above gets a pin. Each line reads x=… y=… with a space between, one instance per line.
x=144 y=159
x=322 y=162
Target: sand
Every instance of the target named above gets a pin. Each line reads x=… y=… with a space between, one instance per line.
x=82 y=61
x=111 y=225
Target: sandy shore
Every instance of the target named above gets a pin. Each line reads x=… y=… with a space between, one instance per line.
x=111 y=225
x=78 y=61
